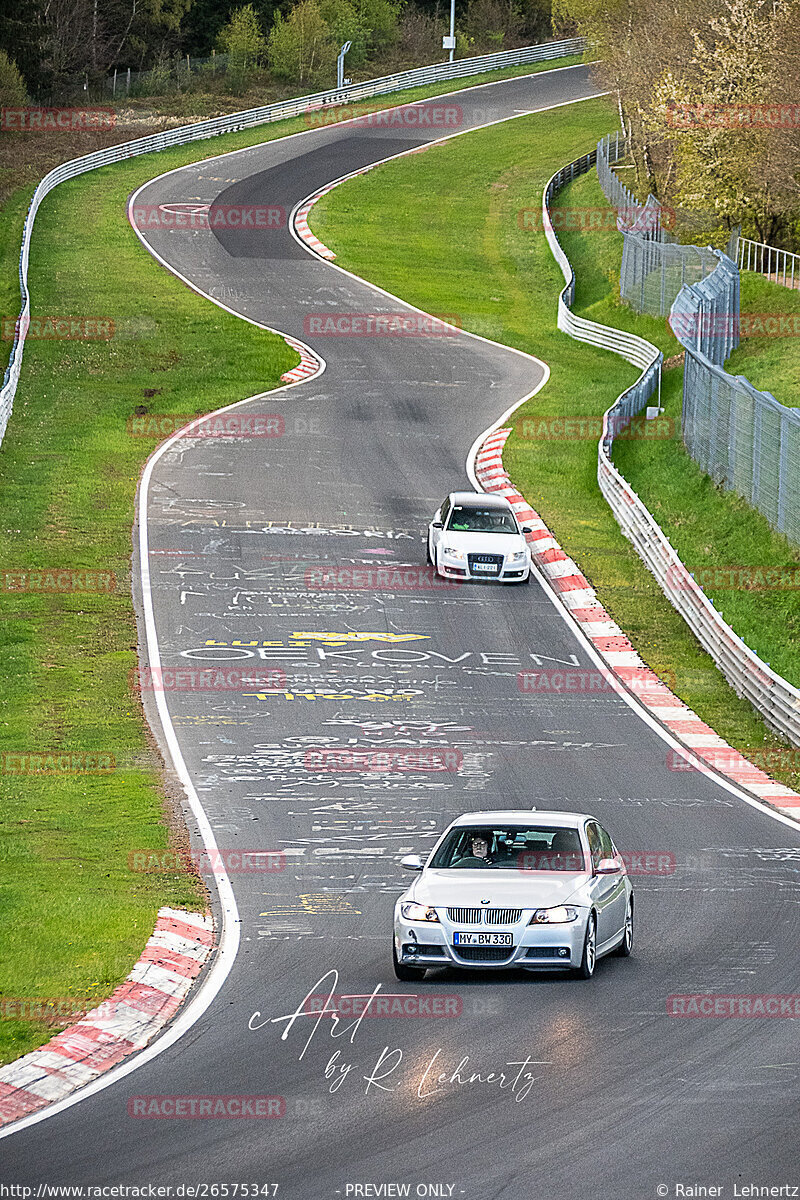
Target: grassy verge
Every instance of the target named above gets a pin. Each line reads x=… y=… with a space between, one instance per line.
x=75 y=916
x=457 y=243
x=770 y=363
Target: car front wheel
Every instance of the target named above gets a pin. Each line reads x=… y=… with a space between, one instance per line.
x=404 y=973
x=589 y=959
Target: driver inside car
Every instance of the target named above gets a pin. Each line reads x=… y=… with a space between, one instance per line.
x=478 y=855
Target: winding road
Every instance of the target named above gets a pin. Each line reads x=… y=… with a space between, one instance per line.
x=608 y=1095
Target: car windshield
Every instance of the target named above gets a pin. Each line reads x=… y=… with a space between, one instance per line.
x=468 y=519
x=511 y=847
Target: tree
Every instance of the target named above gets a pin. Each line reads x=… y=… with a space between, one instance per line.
x=245 y=45
x=380 y=18
x=300 y=47
x=12 y=86
x=711 y=115
x=345 y=25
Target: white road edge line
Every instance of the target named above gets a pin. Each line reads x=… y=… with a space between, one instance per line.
x=229 y=935
x=630 y=699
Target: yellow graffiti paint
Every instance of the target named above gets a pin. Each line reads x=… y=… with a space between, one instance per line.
x=355 y=636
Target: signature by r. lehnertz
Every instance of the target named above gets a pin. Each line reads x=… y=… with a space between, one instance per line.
x=385 y=1074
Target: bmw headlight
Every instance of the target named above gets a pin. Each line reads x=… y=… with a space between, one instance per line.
x=451 y=552
x=559 y=915
x=418 y=912
x=519 y=555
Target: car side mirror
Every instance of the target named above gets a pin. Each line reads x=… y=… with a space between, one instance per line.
x=412 y=862
x=527 y=529
x=438 y=524
x=608 y=866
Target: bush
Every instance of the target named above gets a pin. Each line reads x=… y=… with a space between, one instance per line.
x=380 y=19
x=12 y=86
x=491 y=25
x=420 y=38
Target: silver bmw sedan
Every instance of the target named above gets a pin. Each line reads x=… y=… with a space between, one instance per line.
x=516 y=889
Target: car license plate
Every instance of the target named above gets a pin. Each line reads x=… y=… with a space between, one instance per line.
x=489 y=568
x=483 y=939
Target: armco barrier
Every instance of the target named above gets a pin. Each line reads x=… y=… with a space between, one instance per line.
x=233 y=122
x=635 y=349
x=775 y=698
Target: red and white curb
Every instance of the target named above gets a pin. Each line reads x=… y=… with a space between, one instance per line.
x=309 y=363
x=301 y=224
x=577 y=594
x=156 y=987
x=300 y=216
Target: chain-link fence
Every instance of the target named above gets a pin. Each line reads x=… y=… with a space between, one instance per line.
x=743 y=438
x=705 y=316
x=167 y=75
x=654 y=266
x=746 y=440
x=642 y=219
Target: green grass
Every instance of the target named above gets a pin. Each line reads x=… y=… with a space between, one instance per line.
x=455 y=244
x=12 y=218
x=75 y=917
x=772 y=364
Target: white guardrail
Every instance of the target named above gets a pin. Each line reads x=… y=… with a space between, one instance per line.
x=233 y=122
x=774 y=697
x=782 y=266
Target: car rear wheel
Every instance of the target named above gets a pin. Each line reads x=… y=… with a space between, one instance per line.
x=589 y=959
x=404 y=973
x=428 y=558
x=626 y=945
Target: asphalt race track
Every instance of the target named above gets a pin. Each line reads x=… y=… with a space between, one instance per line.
x=610 y=1096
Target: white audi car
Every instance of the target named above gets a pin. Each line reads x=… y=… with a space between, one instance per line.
x=477 y=536
x=515 y=889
